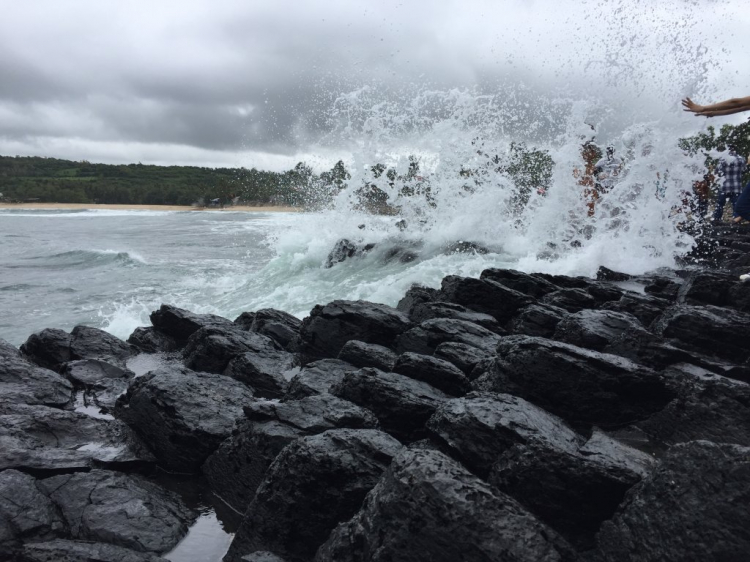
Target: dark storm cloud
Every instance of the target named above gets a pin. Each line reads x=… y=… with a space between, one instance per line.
x=231 y=76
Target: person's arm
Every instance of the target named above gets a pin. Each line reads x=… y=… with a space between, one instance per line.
x=726 y=107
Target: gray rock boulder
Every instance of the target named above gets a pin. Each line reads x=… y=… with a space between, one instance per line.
x=263 y=371
x=317 y=378
x=538 y=320
x=22 y=382
x=211 y=348
x=484 y=295
x=426 y=337
x=101 y=383
x=437 y=372
x=361 y=354
x=180 y=324
x=430 y=310
x=150 y=340
x=465 y=357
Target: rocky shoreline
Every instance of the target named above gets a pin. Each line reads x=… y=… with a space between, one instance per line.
x=524 y=417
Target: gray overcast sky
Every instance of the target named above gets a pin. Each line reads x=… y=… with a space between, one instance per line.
x=249 y=83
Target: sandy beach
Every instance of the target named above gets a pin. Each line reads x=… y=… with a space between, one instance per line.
x=85 y=206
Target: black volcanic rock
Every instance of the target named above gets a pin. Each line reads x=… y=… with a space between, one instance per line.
x=583 y=387
x=538 y=320
x=210 y=349
x=278 y=325
x=42 y=440
x=263 y=371
x=317 y=378
x=572 y=300
x=598 y=329
x=712 y=330
x=430 y=310
x=480 y=426
x=465 y=357
x=416 y=295
x=361 y=354
x=120 y=509
x=237 y=467
x=401 y=404
x=329 y=327
x=693 y=506
x=183 y=415
x=484 y=295
x=26 y=513
x=531 y=285
x=48 y=348
x=644 y=307
x=573 y=491
x=180 y=324
x=426 y=337
x=315 y=483
x=150 y=340
x=439 y=373
x=427 y=507
x=82 y=551
x=102 y=383
x=22 y=382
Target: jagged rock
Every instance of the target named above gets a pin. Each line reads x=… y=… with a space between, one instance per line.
x=416 y=295
x=708 y=287
x=664 y=287
x=484 y=295
x=21 y=382
x=712 y=330
x=48 y=348
x=263 y=371
x=180 y=324
x=280 y=326
x=538 y=320
x=571 y=491
x=739 y=296
x=428 y=335
x=150 y=340
x=430 y=310
x=532 y=285
x=101 y=382
x=313 y=484
x=238 y=466
x=427 y=507
x=317 y=378
x=183 y=415
x=480 y=426
x=606 y=274
x=434 y=371
x=120 y=509
x=341 y=251
x=210 y=349
x=706 y=406
x=401 y=404
x=644 y=307
x=361 y=354
x=329 y=327
x=245 y=320
x=51 y=348
x=581 y=386
x=599 y=329
x=25 y=512
x=572 y=300
x=45 y=440
x=565 y=281
x=60 y=550
x=465 y=357
x=693 y=506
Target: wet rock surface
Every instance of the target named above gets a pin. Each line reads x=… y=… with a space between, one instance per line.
x=180 y=324
x=22 y=382
x=317 y=378
x=82 y=551
x=436 y=372
x=210 y=349
x=183 y=415
x=102 y=383
x=313 y=484
x=426 y=337
x=263 y=371
x=361 y=354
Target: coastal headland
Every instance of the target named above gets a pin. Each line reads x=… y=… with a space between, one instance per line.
x=513 y=416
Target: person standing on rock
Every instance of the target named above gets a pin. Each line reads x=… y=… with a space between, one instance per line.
x=730 y=167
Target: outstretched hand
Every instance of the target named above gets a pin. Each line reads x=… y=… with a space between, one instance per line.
x=693 y=107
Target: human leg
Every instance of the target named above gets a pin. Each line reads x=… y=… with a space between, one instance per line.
x=721 y=200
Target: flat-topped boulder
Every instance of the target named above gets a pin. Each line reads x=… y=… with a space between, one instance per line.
x=693 y=506
x=329 y=327
x=315 y=483
x=430 y=310
x=599 y=329
x=101 y=383
x=361 y=354
x=22 y=382
x=183 y=415
x=211 y=348
x=537 y=320
x=402 y=404
x=581 y=386
x=427 y=506
x=646 y=308
x=465 y=357
x=484 y=295
x=479 y=427
x=26 y=513
x=120 y=509
x=317 y=378
x=437 y=372
x=238 y=466
x=570 y=299
x=180 y=324
x=573 y=491
x=42 y=440
x=51 y=348
x=526 y=283
x=263 y=371
x=426 y=337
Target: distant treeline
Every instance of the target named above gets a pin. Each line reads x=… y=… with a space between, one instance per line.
x=51 y=180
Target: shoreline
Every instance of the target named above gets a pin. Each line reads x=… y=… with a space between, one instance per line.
x=121 y=207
